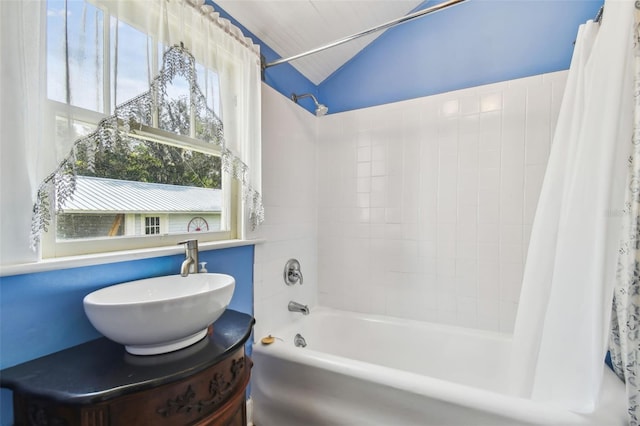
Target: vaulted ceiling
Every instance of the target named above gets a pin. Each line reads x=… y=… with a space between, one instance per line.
x=291 y=27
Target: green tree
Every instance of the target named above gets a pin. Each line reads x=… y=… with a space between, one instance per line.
x=149 y=161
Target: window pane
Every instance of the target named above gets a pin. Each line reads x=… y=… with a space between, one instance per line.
x=209 y=83
x=130 y=62
x=71 y=130
x=117 y=189
x=75 y=70
x=78 y=225
x=152 y=162
x=175 y=109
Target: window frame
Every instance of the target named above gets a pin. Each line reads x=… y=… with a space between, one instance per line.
x=232 y=211
x=51 y=248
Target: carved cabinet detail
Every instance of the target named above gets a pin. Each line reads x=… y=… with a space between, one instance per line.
x=214 y=396
x=98 y=384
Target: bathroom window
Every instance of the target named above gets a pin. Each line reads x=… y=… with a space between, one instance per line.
x=95 y=62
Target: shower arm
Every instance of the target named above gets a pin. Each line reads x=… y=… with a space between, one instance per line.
x=384 y=26
x=295 y=98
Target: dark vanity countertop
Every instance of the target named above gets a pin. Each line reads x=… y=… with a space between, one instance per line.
x=101 y=369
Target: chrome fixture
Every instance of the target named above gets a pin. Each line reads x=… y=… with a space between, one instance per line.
x=292 y=272
x=190 y=264
x=599 y=15
x=320 y=108
x=298 y=307
x=389 y=24
x=299 y=341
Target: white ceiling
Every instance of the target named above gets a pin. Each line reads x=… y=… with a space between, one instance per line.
x=294 y=26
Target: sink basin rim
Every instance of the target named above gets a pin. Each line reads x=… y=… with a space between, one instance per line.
x=165 y=281
x=164 y=314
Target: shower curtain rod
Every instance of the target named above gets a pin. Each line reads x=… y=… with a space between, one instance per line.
x=384 y=26
x=598 y=17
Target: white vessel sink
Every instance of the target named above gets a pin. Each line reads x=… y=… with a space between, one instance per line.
x=159 y=315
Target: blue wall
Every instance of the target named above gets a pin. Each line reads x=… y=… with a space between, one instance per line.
x=42 y=313
x=470 y=44
x=473 y=43
x=283 y=78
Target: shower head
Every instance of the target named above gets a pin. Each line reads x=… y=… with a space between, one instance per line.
x=320 y=108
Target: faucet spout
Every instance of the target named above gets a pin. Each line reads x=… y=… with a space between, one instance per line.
x=187 y=266
x=298 y=307
x=190 y=264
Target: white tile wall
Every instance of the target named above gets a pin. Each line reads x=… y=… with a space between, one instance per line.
x=424 y=206
x=289 y=189
x=420 y=209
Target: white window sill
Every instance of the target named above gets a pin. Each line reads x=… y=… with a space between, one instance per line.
x=120 y=256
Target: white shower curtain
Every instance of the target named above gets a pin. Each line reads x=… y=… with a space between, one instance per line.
x=562 y=326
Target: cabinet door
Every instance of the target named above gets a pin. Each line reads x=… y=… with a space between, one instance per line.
x=29 y=410
x=187 y=401
x=236 y=415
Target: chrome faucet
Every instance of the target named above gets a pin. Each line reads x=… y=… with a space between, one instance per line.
x=292 y=272
x=299 y=341
x=298 y=307
x=190 y=264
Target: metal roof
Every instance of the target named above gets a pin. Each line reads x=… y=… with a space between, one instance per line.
x=93 y=195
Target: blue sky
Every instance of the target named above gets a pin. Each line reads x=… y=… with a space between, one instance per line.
x=131 y=69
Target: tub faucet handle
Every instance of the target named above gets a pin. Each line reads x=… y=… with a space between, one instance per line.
x=292 y=272
x=299 y=341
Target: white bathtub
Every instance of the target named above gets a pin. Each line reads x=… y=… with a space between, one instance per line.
x=371 y=370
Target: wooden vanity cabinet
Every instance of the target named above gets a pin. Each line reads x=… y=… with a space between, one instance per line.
x=201 y=394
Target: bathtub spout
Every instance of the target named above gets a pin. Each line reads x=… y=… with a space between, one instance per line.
x=298 y=307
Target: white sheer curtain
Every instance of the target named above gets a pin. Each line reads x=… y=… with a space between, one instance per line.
x=561 y=330
x=216 y=44
x=29 y=153
x=27 y=157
